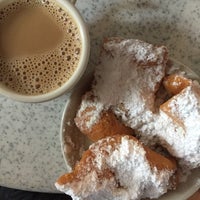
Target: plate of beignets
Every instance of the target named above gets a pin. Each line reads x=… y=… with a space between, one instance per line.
x=131 y=130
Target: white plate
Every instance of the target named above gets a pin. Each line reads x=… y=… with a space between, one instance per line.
x=73 y=143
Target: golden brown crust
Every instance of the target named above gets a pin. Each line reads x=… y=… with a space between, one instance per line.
x=82 y=168
x=87 y=163
x=159 y=161
x=107 y=125
x=175 y=83
x=107 y=122
x=165 y=107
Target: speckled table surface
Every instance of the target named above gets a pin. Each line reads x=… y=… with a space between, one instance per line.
x=30 y=155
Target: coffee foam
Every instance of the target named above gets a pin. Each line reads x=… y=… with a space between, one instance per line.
x=42 y=73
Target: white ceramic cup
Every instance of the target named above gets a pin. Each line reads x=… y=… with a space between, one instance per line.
x=69 y=7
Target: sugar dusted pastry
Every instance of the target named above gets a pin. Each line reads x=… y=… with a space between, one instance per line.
x=104 y=122
x=126 y=81
x=119 y=168
x=184 y=110
x=174 y=83
x=128 y=77
x=176 y=127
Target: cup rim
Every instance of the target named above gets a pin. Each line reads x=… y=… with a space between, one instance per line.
x=77 y=74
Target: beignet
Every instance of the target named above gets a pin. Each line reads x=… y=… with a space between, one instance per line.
x=126 y=81
x=119 y=168
x=106 y=123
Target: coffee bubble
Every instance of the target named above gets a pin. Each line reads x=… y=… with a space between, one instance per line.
x=40 y=73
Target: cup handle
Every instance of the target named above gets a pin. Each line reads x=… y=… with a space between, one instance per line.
x=72 y=1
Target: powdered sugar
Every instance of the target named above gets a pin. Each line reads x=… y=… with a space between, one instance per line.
x=138 y=50
x=127 y=78
x=133 y=177
x=183 y=142
x=133 y=172
x=126 y=81
x=186 y=107
x=93 y=113
x=187 y=102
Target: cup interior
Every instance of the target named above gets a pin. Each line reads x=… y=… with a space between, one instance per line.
x=78 y=72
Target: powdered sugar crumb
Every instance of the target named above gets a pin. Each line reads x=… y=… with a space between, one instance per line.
x=133 y=178
x=133 y=171
x=93 y=113
x=183 y=142
x=132 y=70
